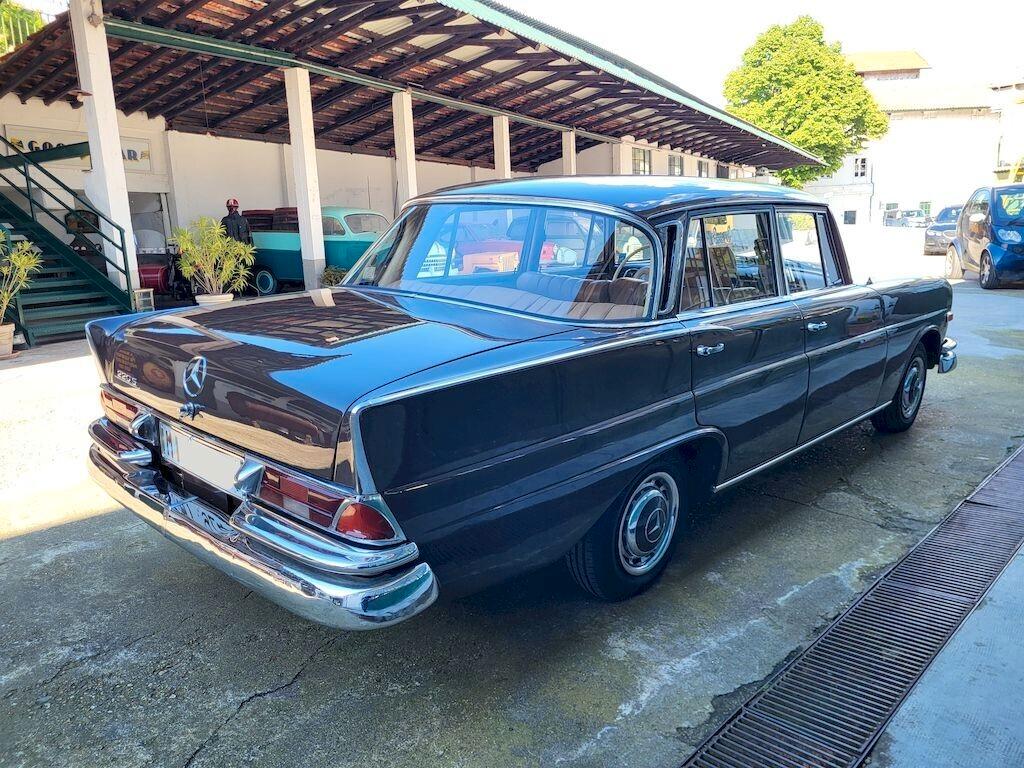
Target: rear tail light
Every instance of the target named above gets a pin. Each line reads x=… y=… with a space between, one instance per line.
x=321 y=507
x=119 y=411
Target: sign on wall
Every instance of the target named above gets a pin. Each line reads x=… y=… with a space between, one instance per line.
x=135 y=152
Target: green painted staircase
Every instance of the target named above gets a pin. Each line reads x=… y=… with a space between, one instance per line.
x=69 y=290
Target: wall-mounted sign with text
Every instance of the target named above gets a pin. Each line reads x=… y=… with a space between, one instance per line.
x=135 y=152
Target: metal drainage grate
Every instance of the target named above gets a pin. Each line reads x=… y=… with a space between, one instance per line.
x=829 y=705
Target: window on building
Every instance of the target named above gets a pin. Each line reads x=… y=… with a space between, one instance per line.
x=722 y=171
x=860 y=167
x=739 y=257
x=849 y=217
x=703 y=168
x=641 y=162
x=675 y=165
x=926 y=207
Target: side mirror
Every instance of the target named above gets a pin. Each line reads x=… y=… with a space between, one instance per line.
x=976 y=218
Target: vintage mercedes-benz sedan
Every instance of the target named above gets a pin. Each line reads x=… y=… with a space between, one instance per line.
x=515 y=372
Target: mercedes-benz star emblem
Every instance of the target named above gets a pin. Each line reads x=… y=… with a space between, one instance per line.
x=194 y=376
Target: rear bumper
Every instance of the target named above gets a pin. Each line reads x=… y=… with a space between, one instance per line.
x=947 y=357
x=270 y=555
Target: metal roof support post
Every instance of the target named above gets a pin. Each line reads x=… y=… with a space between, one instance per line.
x=502 y=148
x=106 y=184
x=405 y=146
x=306 y=177
x=568 y=153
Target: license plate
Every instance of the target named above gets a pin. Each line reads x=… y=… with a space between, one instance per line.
x=210 y=464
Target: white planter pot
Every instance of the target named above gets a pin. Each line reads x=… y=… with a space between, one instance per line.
x=212 y=299
x=6 y=340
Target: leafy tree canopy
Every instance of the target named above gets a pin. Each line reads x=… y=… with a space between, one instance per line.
x=799 y=87
x=16 y=23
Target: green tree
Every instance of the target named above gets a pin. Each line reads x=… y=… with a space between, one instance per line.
x=799 y=87
x=16 y=24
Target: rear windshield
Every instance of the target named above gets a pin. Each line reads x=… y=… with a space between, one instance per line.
x=366 y=222
x=1009 y=204
x=541 y=260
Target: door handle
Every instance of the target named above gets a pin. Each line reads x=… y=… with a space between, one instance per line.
x=704 y=351
x=815 y=327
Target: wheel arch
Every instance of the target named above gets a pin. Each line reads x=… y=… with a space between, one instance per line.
x=932 y=340
x=704 y=452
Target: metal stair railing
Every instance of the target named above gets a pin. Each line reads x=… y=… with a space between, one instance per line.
x=36 y=211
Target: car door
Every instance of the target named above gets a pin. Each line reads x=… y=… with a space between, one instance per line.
x=844 y=329
x=976 y=227
x=749 y=370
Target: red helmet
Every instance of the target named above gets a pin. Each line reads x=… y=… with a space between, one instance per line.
x=231 y=203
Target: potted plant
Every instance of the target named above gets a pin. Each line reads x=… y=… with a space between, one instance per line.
x=217 y=264
x=17 y=263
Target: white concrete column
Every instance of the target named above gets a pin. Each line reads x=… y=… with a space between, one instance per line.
x=307 y=180
x=405 y=147
x=502 y=148
x=622 y=159
x=105 y=184
x=568 y=153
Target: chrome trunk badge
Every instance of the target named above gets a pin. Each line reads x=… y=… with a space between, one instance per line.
x=194 y=376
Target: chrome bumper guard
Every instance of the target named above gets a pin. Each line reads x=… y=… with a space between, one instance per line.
x=312 y=575
x=947 y=357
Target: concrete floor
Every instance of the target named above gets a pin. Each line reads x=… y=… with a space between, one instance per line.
x=117 y=648
x=967 y=710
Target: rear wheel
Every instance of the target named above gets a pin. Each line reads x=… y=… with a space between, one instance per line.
x=264 y=281
x=987 y=277
x=954 y=269
x=632 y=542
x=901 y=413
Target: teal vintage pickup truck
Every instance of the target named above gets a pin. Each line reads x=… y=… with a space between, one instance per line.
x=348 y=232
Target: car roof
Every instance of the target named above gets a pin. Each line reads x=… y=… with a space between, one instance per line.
x=643 y=195
x=338 y=210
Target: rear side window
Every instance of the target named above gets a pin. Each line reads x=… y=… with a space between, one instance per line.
x=739 y=257
x=807 y=260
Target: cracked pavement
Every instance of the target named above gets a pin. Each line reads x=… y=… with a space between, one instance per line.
x=117 y=648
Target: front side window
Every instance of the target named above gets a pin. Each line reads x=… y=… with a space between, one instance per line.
x=739 y=257
x=695 y=289
x=641 y=162
x=545 y=260
x=807 y=260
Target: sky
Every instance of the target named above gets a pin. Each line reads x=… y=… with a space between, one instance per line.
x=696 y=43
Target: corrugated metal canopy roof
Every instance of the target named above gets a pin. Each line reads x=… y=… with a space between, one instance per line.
x=472 y=50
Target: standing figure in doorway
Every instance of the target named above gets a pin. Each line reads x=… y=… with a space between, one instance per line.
x=235 y=224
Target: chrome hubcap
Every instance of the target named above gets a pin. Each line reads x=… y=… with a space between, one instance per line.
x=913 y=386
x=648 y=523
x=986 y=268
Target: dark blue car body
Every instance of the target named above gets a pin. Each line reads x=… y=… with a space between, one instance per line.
x=990 y=236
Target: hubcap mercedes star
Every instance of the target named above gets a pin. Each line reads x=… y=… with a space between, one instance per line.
x=913 y=386
x=648 y=523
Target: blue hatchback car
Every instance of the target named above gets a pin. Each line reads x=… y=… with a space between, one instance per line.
x=990 y=236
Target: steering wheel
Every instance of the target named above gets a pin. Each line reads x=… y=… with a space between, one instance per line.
x=624 y=264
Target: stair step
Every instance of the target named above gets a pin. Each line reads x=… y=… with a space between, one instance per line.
x=61 y=328
x=104 y=309
x=49 y=284
x=44 y=272
x=61 y=296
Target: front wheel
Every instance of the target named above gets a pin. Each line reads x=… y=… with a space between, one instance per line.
x=901 y=413
x=264 y=282
x=954 y=269
x=632 y=542
x=987 y=277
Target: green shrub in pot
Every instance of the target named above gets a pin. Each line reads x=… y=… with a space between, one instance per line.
x=17 y=263
x=218 y=265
